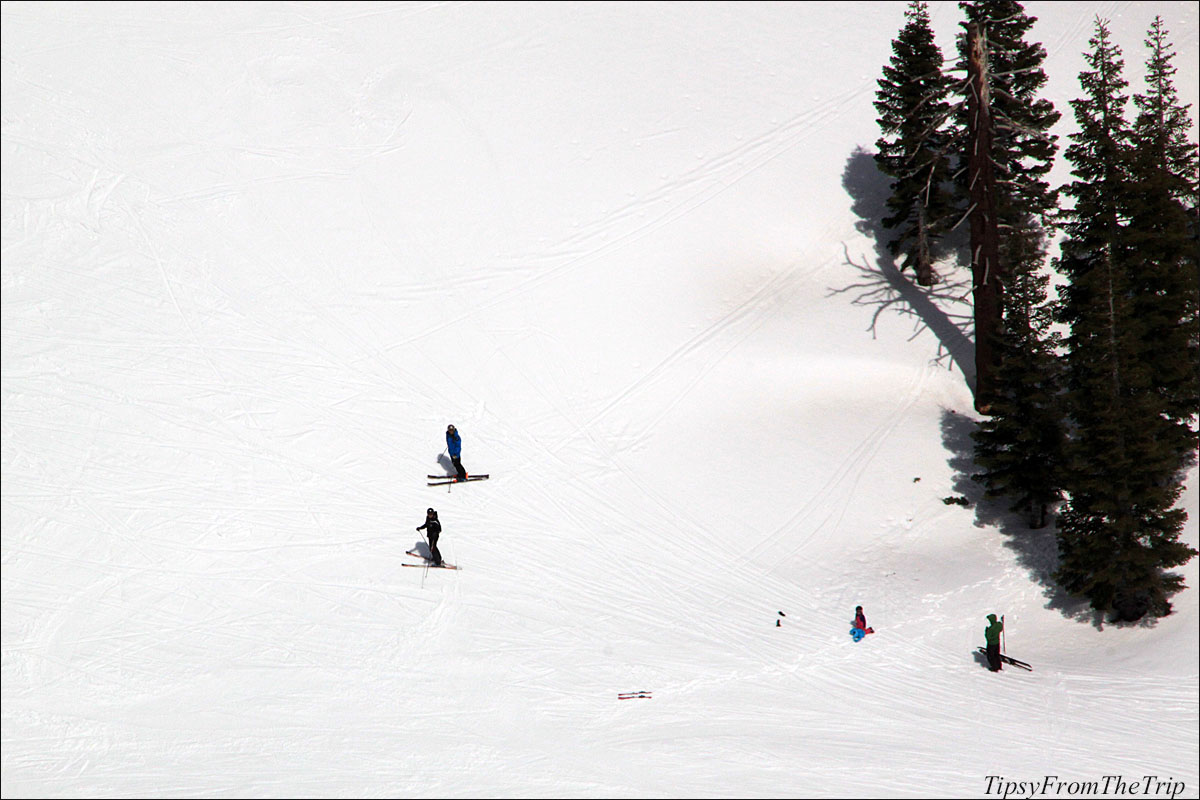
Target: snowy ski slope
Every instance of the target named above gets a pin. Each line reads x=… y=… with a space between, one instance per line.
x=257 y=256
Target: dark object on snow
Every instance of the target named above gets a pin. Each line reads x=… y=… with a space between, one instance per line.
x=435 y=530
x=1009 y=660
x=991 y=635
x=956 y=501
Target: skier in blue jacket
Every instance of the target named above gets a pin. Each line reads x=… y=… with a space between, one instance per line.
x=454 y=446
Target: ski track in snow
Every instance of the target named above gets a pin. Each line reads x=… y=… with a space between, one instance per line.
x=844 y=481
x=708 y=182
x=219 y=404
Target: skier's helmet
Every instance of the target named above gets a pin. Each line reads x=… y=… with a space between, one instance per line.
x=430 y=512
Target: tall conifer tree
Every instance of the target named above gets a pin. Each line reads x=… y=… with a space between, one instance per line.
x=1022 y=154
x=913 y=107
x=1020 y=445
x=1119 y=530
x=1023 y=149
x=1162 y=242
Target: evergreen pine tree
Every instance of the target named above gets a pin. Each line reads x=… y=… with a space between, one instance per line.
x=1022 y=154
x=1166 y=291
x=912 y=102
x=1119 y=530
x=1020 y=445
x=1023 y=149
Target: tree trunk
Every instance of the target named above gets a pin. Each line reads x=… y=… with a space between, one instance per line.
x=985 y=227
x=925 y=275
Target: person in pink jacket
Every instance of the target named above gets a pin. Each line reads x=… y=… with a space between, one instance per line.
x=860 y=628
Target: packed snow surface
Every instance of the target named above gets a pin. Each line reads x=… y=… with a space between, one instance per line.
x=257 y=257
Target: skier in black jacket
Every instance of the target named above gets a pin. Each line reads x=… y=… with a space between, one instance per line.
x=435 y=530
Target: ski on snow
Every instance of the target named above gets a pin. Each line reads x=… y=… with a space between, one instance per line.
x=446 y=480
x=428 y=564
x=634 y=696
x=1009 y=660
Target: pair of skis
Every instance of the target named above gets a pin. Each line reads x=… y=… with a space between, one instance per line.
x=1009 y=660
x=446 y=480
x=634 y=696
x=428 y=564
x=441 y=480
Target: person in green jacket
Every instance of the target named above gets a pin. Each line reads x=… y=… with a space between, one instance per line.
x=991 y=635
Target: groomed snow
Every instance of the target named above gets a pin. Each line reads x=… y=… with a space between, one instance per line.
x=257 y=256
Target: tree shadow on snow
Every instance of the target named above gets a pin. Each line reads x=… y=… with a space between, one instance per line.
x=1036 y=550
x=945 y=309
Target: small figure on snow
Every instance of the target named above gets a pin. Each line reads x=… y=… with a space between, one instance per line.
x=991 y=635
x=435 y=530
x=860 y=629
x=454 y=447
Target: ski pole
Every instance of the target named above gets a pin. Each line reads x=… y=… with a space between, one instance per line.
x=427 y=547
x=1002 y=633
x=425 y=571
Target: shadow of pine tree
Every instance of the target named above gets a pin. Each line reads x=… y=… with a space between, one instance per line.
x=945 y=310
x=1036 y=550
